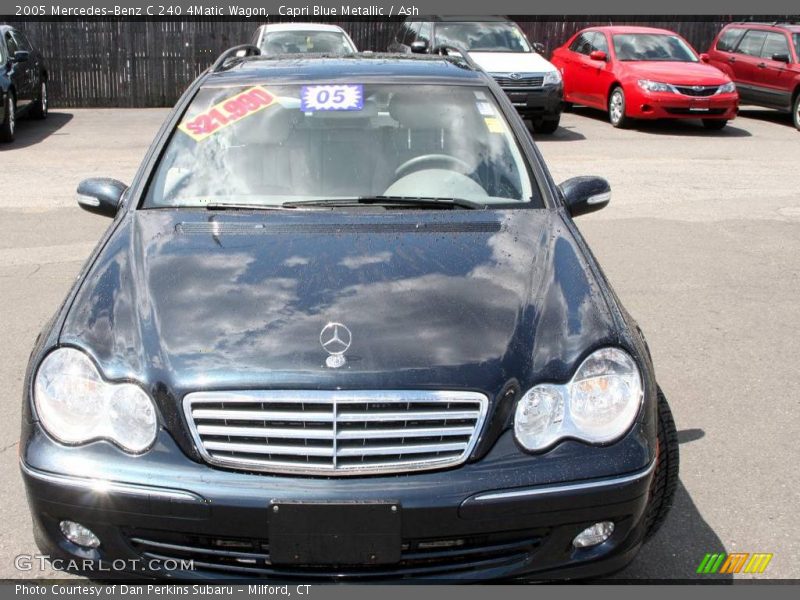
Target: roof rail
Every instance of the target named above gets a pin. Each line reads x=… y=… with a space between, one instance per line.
x=235 y=52
x=786 y=23
x=444 y=50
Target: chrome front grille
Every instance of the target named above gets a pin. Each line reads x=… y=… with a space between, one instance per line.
x=697 y=91
x=522 y=81
x=335 y=432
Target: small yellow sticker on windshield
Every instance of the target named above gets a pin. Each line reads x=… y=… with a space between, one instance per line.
x=227 y=112
x=494 y=125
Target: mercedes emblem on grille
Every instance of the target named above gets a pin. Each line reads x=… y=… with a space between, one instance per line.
x=335 y=339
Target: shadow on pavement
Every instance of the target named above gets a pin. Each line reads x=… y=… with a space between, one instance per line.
x=678 y=548
x=562 y=134
x=680 y=127
x=767 y=115
x=32 y=131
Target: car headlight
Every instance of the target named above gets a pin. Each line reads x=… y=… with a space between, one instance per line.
x=552 y=77
x=655 y=86
x=727 y=88
x=598 y=405
x=76 y=405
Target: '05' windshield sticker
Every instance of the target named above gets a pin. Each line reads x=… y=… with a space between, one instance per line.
x=331 y=97
x=227 y=112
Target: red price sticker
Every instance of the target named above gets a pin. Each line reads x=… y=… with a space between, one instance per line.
x=227 y=112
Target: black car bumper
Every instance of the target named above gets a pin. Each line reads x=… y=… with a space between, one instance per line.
x=543 y=102
x=505 y=516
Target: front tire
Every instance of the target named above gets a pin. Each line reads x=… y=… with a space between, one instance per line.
x=714 y=124
x=9 y=125
x=665 y=478
x=796 y=111
x=39 y=110
x=617 y=108
x=546 y=125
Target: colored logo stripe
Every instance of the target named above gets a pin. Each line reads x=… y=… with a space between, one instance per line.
x=758 y=563
x=733 y=563
x=711 y=563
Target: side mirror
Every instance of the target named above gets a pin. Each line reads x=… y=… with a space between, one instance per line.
x=101 y=195
x=419 y=47
x=598 y=55
x=784 y=58
x=539 y=47
x=705 y=58
x=584 y=195
x=21 y=56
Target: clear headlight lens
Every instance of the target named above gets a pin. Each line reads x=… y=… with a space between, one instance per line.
x=76 y=405
x=552 y=77
x=597 y=405
x=727 y=88
x=655 y=86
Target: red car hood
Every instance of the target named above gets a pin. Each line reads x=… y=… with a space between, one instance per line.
x=679 y=73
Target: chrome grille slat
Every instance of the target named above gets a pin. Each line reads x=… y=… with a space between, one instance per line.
x=261 y=415
x=375 y=434
x=267 y=432
x=346 y=417
x=335 y=432
x=269 y=449
x=403 y=449
x=275 y=466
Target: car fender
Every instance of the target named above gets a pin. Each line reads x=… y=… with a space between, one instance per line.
x=722 y=66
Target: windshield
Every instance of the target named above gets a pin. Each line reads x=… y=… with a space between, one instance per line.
x=267 y=145
x=649 y=46
x=482 y=37
x=302 y=42
x=796 y=37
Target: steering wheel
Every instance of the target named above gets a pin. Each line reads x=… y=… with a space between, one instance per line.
x=431 y=161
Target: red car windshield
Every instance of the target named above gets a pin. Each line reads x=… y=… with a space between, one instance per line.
x=796 y=38
x=652 y=46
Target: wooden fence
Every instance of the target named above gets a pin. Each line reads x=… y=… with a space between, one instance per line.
x=128 y=63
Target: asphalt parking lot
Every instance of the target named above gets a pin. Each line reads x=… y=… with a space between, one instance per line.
x=701 y=242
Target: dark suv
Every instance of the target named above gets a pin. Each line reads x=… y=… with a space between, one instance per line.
x=764 y=62
x=23 y=81
x=499 y=47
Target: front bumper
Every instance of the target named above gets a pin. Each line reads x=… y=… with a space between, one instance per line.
x=506 y=516
x=544 y=101
x=649 y=105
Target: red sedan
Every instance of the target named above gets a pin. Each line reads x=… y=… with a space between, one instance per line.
x=644 y=73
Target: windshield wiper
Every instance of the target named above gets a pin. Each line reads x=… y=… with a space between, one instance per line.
x=414 y=201
x=225 y=206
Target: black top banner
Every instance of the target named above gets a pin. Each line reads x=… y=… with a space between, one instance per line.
x=265 y=9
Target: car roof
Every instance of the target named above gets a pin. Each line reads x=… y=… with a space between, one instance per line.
x=468 y=19
x=353 y=68
x=621 y=29
x=272 y=27
x=792 y=27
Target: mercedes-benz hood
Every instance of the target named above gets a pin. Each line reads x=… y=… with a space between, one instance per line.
x=453 y=299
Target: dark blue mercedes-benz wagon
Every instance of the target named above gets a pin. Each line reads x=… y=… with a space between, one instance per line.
x=343 y=326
